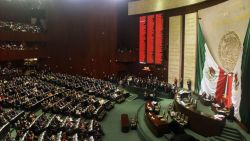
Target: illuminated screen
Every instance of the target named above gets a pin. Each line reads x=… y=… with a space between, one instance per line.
x=150 y=42
x=158 y=38
x=142 y=48
x=150 y=39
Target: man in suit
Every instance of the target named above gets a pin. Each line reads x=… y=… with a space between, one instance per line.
x=231 y=114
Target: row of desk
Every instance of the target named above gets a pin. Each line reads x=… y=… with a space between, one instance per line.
x=5 y=128
x=156 y=124
x=200 y=122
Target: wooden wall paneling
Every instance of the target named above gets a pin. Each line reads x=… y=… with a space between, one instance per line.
x=83 y=40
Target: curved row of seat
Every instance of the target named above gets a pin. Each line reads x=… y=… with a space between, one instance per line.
x=71 y=106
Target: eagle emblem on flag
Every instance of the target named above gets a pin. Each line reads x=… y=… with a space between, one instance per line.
x=211 y=73
x=236 y=82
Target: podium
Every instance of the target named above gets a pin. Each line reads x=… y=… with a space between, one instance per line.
x=125 y=123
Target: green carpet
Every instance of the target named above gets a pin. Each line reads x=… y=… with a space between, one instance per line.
x=111 y=124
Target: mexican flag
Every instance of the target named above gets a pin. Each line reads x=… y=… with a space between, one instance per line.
x=210 y=78
x=236 y=88
x=230 y=87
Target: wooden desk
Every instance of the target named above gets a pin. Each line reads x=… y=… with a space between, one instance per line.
x=200 y=122
x=156 y=125
x=124 y=123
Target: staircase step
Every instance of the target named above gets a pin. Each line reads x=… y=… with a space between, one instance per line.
x=229 y=128
x=234 y=131
x=220 y=138
x=211 y=139
x=238 y=135
x=231 y=138
x=228 y=134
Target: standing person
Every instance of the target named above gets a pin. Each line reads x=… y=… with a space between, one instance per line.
x=231 y=114
x=189 y=84
x=175 y=81
x=181 y=83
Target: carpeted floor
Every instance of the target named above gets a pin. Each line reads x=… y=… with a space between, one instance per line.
x=111 y=124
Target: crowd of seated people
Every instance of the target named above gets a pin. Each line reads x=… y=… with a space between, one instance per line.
x=64 y=80
x=66 y=104
x=26 y=92
x=92 y=86
x=149 y=82
x=47 y=104
x=31 y=127
x=40 y=124
x=83 y=129
x=19 y=27
x=73 y=129
x=95 y=130
x=11 y=46
x=23 y=124
x=34 y=130
x=7 y=116
x=69 y=129
x=2 y=120
x=80 y=97
x=9 y=71
x=73 y=103
x=54 y=128
x=206 y=99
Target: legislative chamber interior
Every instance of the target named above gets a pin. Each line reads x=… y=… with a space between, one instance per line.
x=124 y=70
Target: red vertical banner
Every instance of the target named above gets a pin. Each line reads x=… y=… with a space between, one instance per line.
x=142 y=40
x=158 y=38
x=221 y=85
x=228 y=101
x=150 y=39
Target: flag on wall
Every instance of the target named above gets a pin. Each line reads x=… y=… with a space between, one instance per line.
x=231 y=87
x=210 y=78
x=236 y=87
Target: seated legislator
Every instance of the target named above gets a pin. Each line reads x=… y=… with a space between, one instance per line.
x=152 y=106
x=206 y=99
